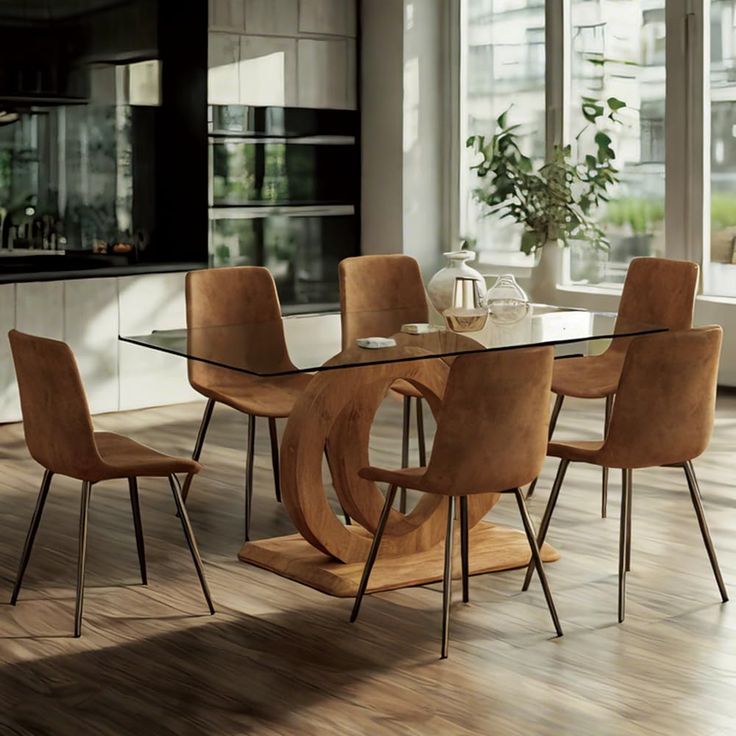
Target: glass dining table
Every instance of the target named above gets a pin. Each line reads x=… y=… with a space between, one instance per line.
x=333 y=418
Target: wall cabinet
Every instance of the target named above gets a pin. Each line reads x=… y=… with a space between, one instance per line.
x=283 y=53
x=330 y=17
x=272 y=17
x=227 y=15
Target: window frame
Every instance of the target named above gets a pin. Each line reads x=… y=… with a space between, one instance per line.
x=687 y=177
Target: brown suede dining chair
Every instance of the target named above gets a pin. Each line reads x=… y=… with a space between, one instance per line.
x=491 y=438
x=656 y=291
x=662 y=416
x=232 y=296
x=60 y=437
x=378 y=294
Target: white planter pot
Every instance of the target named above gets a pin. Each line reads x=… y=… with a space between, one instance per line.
x=545 y=274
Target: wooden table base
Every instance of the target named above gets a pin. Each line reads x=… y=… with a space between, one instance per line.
x=492 y=548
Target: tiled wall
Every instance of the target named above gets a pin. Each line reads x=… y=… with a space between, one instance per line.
x=283 y=53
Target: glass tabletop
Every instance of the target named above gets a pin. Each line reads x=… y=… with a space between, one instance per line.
x=312 y=343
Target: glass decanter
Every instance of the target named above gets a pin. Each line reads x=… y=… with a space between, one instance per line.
x=506 y=301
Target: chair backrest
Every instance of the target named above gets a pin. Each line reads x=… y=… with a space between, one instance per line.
x=492 y=427
x=240 y=295
x=56 y=419
x=378 y=294
x=664 y=407
x=231 y=296
x=657 y=291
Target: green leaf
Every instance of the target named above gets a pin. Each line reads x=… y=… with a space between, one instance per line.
x=592 y=111
x=530 y=241
x=615 y=104
x=501 y=121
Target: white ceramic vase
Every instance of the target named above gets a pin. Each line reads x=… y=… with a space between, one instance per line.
x=441 y=285
x=543 y=283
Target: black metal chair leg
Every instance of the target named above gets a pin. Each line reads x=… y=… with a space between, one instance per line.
x=388 y=503
x=138 y=526
x=31 y=535
x=191 y=541
x=629 y=524
x=464 y=547
x=547 y=518
x=447 y=578
x=405 y=449
x=273 y=432
x=82 y=556
x=692 y=483
x=199 y=443
x=537 y=559
x=420 y=433
x=604 y=472
x=559 y=398
x=622 y=543
x=249 y=460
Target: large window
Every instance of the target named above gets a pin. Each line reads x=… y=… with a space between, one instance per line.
x=618 y=50
x=503 y=69
x=722 y=266
x=673 y=62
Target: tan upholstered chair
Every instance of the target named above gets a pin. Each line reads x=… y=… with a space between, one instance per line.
x=60 y=437
x=231 y=296
x=657 y=291
x=663 y=415
x=378 y=294
x=491 y=438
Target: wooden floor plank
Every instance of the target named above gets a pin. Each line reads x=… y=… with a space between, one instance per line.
x=280 y=658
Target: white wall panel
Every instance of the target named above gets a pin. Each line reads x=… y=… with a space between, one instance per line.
x=351 y=99
x=91 y=329
x=226 y=15
x=147 y=377
x=39 y=308
x=9 y=403
x=272 y=17
x=268 y=71
x=323 y=73
x=223 y=69
x=334 y=17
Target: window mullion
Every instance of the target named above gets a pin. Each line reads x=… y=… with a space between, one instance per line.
x=557 y=72
x=687 y=134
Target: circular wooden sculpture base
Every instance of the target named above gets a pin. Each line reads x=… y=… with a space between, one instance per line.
x=335 y=415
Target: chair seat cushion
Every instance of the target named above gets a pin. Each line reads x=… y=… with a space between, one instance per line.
x=126 y=458
x=589 y=377
x=404 y=388
x=262 y=397
x=402 y=477
x=583 y=451
x=415 y=479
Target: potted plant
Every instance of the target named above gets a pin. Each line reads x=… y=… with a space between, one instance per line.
x=554 y=202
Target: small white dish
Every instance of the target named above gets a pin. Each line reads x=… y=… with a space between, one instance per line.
x=421 y=328
x=375 y=343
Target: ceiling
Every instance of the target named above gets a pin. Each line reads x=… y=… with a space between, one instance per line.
x=49 y=10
